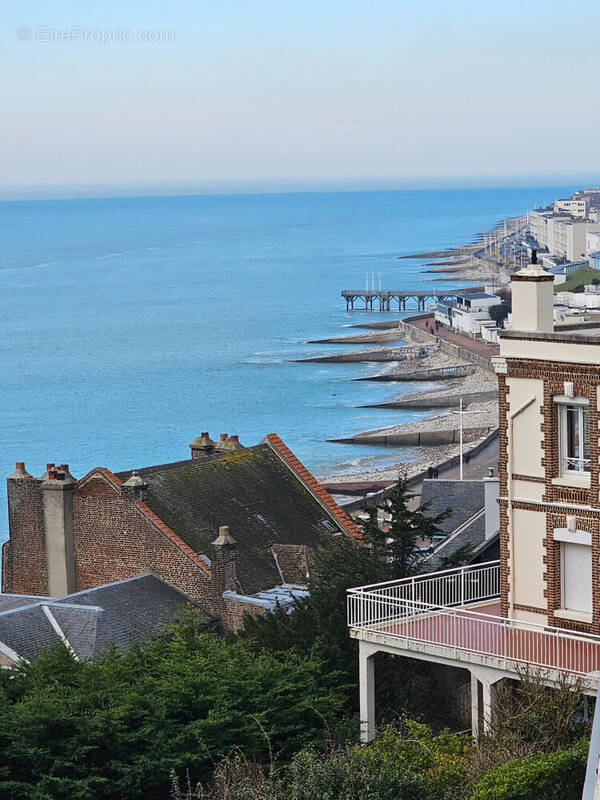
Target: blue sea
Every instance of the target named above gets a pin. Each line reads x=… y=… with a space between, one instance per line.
x=130 y=325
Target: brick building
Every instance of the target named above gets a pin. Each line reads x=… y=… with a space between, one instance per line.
x=539 y=605
x=229 y=527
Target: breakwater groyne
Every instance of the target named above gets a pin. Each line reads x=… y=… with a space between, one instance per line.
x=426 y=401
x=427 y=438
x=402 y=353
x=423 y=374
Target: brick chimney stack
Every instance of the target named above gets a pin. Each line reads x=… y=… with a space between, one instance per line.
x=57 y=490
x=135 y=487
x=223 y=565
x=202 y=445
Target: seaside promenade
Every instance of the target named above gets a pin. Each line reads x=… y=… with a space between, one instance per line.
x=476 y=346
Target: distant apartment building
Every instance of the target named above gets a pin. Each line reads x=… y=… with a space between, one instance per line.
x=578 y=207
x=592 y=246
x=538 y=225
x=561 y=234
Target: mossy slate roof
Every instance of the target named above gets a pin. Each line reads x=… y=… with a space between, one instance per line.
x=253 y=492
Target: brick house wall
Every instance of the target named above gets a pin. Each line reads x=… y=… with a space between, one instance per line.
x=115 y=537
x=557 y=499
x=24 y=556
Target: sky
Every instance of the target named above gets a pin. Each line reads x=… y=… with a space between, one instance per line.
x=247 y=92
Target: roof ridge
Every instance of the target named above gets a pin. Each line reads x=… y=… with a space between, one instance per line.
x=313 y=485
x=184 y=462
x=54 y=623
x=77 y=606
x=103 y=586
x=103 y=471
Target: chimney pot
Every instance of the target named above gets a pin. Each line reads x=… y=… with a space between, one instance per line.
x=20 y=471
x=224 y=437
x=49 y=466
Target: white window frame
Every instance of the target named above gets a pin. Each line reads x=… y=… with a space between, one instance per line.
x=573 y=465
x=573 y=612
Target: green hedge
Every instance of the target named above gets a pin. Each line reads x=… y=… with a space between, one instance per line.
x=545 y=776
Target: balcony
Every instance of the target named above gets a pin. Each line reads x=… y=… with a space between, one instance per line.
x=454 y=616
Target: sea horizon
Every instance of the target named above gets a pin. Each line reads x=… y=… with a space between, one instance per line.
x=323 y=185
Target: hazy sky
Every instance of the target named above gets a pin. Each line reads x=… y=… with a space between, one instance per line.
x=251 y=90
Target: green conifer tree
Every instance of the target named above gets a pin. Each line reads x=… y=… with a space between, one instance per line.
x=395 y=540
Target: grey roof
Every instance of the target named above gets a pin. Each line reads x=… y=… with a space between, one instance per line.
x=477 y=295
x=134 y=610
x=466 y=526
x=26 y=631
x=8 y=601
x=470 y=535
x=120 y=614
x=465 y=498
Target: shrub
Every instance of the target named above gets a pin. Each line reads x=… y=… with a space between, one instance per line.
x=545 y=776
x=118 y=727
x=355 y=774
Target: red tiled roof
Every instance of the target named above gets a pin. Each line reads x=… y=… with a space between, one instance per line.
x=284 y=452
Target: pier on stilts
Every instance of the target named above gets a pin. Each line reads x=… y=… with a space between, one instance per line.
x=382 y=299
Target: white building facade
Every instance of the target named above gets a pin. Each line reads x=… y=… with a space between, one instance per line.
x=540 y=604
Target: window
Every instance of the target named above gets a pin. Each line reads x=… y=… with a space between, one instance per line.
x=574 y=431
x=576 y=577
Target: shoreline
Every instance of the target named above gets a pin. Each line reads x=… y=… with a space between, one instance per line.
x=468 y=263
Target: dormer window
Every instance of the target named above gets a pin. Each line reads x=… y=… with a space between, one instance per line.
x=574 y=437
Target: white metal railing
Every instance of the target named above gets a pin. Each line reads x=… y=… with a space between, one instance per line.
x=395 y=610
x=449 y=587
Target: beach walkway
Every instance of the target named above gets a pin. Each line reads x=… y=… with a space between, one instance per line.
x=460 y=340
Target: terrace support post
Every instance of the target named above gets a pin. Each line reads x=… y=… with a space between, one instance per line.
x=483 y=695
x=366 y=680
x=474 y=706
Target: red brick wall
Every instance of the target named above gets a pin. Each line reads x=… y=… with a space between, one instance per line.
x=24 y=555
x=113 y=540
x=586 y=381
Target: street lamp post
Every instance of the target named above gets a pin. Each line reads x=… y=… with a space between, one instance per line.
x=460 y=413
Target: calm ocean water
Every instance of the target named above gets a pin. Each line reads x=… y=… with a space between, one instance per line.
x=131 y=324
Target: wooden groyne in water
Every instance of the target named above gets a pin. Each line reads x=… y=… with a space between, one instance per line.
x=426 y=401
x=439 y=374
x=415 y=438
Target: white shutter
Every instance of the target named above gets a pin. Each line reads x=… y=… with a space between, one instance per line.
x=577 y=577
